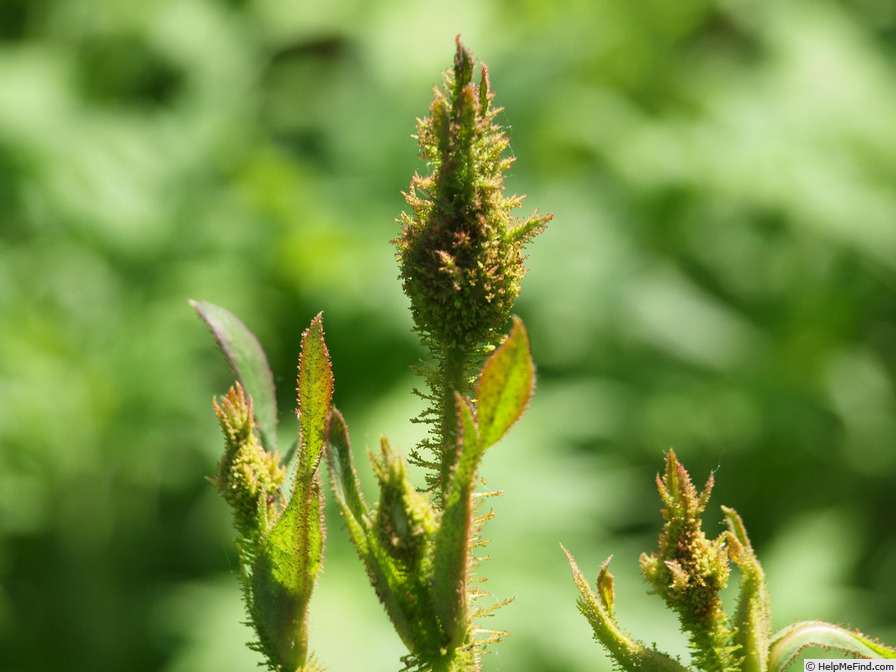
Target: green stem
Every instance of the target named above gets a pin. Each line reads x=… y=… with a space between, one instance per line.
x=453 y=376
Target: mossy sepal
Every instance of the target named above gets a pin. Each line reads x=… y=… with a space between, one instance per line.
x=628 y=653
x=393 y=539
x=689 y=571
x=752 y=620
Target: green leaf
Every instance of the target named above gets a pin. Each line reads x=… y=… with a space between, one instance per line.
x=249 y=363
x=505 y=386
x=283 y=578
x=315 y=397
x=470 y=447
x=358 y=516
x=790 y=641
x=286 y=569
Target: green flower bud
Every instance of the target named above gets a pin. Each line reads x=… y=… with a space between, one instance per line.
x=405 y=521
x=249 y=478
x=460 y=250
x=689 y=570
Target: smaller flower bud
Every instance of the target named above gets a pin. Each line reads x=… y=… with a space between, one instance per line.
x=249 y=478
x=405 y=522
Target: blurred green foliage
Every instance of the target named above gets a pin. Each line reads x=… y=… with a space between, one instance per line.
x=720 y=276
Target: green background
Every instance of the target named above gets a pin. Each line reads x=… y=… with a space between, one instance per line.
x=719 y=277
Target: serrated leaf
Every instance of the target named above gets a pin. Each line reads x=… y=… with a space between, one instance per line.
x=315 y=396
x=471 y=447
x=505 y=385
x=248 y=361
x=288 y=562
x=788 y=642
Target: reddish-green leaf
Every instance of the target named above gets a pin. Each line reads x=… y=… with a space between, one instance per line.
x=315 y=395
x=290 y=557
x=505 y=386
x=249 y=363
x=470 y=446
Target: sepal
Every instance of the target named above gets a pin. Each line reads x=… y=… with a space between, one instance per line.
x=630 y=654
x=393 y=540
x=752 y=620
x=283 y=577
x=405 y=521
x=344 y=476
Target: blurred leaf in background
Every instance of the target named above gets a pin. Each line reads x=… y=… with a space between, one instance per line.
x=720 y=276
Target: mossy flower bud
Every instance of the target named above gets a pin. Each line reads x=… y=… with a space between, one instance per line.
x=689 y=570
x=460 y=250
x=249 y=478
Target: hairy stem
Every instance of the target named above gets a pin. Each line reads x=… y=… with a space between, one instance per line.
x=453 y=377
